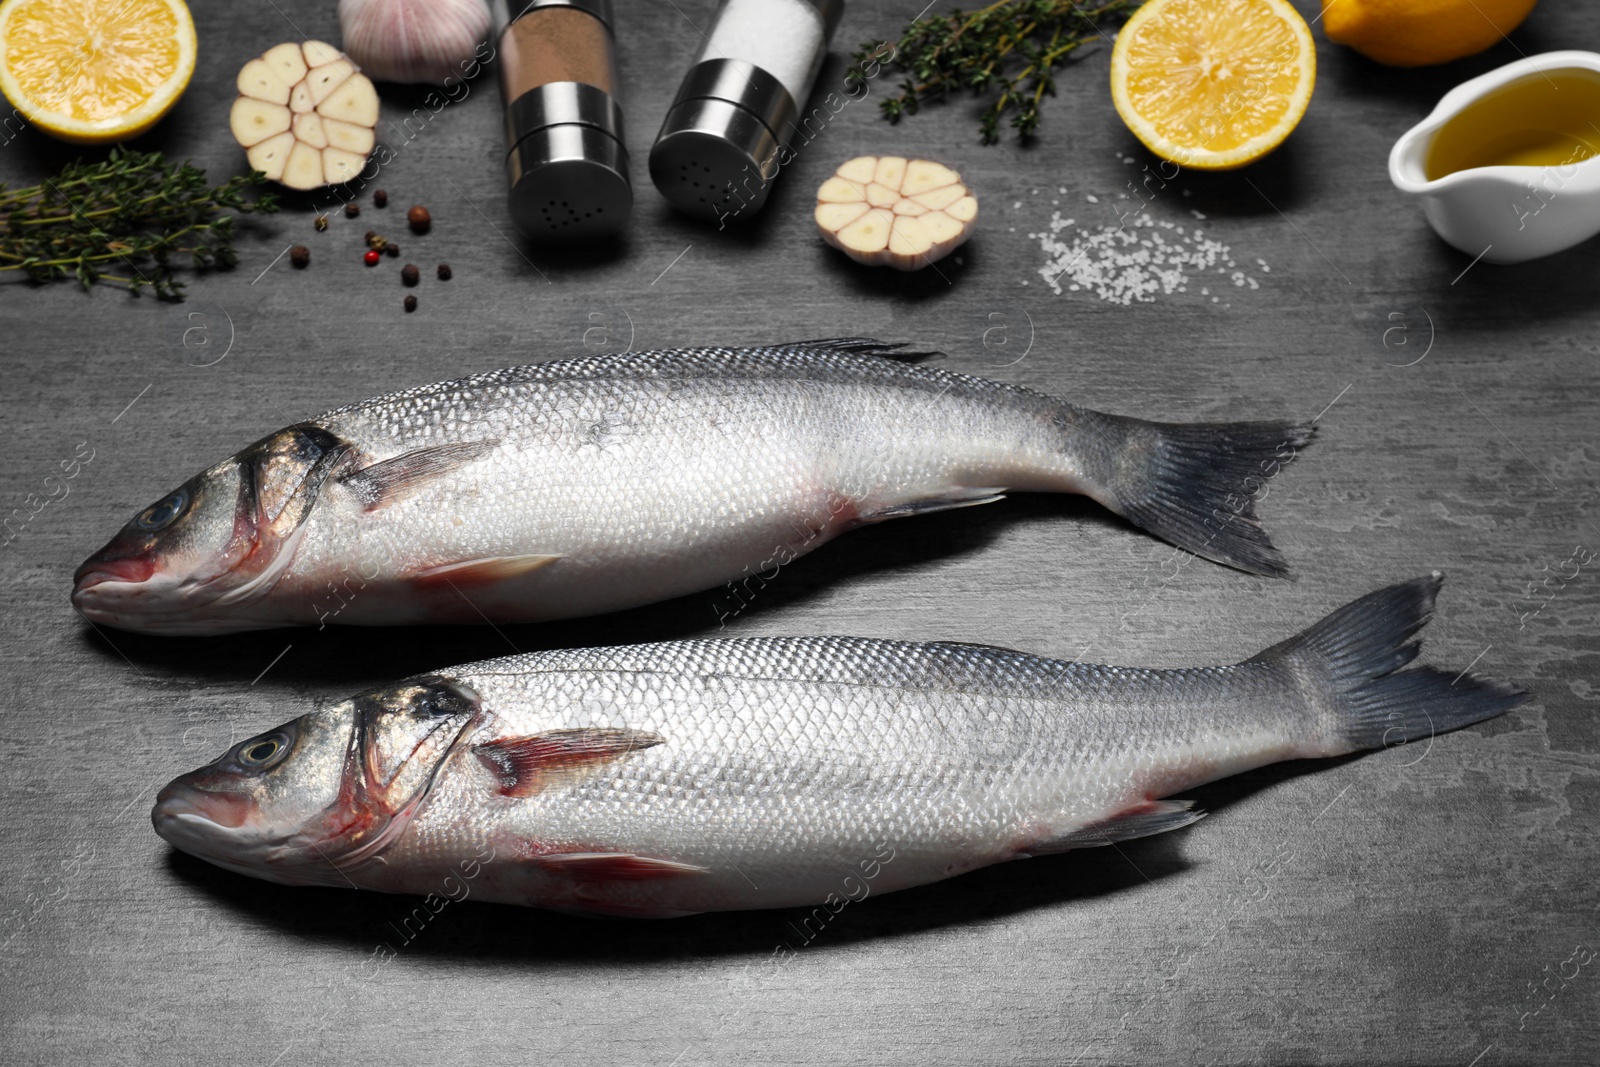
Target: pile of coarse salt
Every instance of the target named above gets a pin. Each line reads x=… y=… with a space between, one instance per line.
x=1139 y=259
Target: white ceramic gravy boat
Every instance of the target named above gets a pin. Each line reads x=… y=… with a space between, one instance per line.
x=1506 y=214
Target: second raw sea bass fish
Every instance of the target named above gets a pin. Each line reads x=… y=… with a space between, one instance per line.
x=665 y=779
x=583 y=486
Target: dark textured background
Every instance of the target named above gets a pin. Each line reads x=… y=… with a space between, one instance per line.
x=1411 y=906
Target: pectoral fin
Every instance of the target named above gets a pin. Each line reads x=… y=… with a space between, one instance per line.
x=526 y=766
x=486 y=570
x=390 y=480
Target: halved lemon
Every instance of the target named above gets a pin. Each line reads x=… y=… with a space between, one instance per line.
x=1213 y=84
x=91 y=71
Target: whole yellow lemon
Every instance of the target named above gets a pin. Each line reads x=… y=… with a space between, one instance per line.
x=1420 y=33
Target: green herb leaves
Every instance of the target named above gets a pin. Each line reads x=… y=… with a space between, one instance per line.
x=1012 y=46
x=124 y=221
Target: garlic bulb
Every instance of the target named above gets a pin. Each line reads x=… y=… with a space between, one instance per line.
x=892 y=212
x=305 y=115
x=413 y=40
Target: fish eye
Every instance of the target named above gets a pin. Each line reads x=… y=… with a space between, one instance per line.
x=265 y=751
x=164 y=512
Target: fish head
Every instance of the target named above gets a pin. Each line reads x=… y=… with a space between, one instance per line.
x=249 y=802
x=224 y=538
x=316 y=800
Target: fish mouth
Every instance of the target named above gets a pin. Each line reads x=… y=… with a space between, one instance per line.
x=189 y=829
x=131 y=570
x=100 y=583
x=133 y=593
x=113 y=595
x=223 y=829
x=159 y=605
x=210 y=826
x=179 y=802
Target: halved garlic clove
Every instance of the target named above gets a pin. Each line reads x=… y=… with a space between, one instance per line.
x=258 y=80
x=341 y=166
x=328 y=78
x=287 y=61
x=308 y=128
x=859 y=170
x=939 y=199
x=303 y=169
x=305 y=114
x=890 y=171
x=354 y=100
x=882 y=195
x=349 y=137
x=867 y=236
x=253 y=121
x=893 y=212
x=320 y=53
x=270 y=155
x=841 y=190
x=836 y=217
x=924 y=175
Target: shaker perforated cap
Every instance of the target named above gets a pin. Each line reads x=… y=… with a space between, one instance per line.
x=569 y=175
x=718 y=150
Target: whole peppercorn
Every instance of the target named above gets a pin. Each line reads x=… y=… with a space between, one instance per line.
x=321 y=223
x=370 y=235
x=380 y=198
x=300 y=255
x=392 y=248
x=419 y=219
x=370 y=257
x=352 y=209
x=444 y=272
x=408 y=274
x=410 y=303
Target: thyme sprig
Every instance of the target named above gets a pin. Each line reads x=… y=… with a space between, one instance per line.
x=123 y=221
x=1011 y=45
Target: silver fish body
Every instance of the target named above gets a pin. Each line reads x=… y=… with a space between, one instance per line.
x=666 y=779
x=582 y=486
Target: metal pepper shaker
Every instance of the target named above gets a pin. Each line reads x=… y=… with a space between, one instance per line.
x=566 y=162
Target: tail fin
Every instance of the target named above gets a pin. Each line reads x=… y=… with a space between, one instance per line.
x=1196 y=485
x=1349 y=660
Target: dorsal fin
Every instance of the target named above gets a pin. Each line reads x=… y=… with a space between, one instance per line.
x=866 y=346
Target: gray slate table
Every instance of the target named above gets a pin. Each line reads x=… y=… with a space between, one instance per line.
x=1432 y=907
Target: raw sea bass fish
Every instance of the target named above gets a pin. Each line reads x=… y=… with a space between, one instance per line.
x=582 y=486
x=666 y=779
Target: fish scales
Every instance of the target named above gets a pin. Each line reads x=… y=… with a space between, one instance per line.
x=661 y=467
x=665 y=779
x=955 y=756
x=582 y=486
